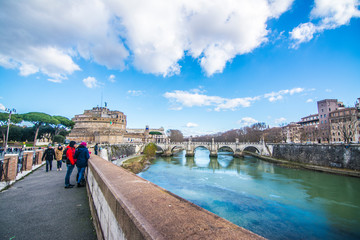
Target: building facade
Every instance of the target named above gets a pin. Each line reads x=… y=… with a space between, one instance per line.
x=101 y=125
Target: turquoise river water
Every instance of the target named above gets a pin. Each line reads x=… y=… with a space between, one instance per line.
x=272 y=201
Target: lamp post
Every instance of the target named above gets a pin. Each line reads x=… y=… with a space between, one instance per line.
x=10 y=111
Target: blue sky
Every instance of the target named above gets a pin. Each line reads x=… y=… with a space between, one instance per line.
x=191 y=65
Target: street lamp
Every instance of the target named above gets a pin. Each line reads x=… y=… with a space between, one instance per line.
x=10 y=111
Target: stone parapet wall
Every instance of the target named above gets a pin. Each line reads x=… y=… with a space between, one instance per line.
x=327 y=155
x=125 y=206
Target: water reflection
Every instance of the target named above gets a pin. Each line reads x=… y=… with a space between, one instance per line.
x=275 y=202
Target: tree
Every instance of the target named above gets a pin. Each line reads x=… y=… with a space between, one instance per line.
x=15 y=118
x=59 y=139
x=39 y=119
x=175 y=135
x=64 y=123
x=347 y=128
x=150 y=150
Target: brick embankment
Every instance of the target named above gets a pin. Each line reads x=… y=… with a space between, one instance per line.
x=39 y=207
x=127 y=206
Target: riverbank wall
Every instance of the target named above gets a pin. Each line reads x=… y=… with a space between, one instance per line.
x=326 y=155
x=126 y=206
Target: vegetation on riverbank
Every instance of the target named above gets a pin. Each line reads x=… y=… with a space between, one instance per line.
x=139 y=163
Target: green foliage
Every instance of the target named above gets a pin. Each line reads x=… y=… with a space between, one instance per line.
x=15 y=118
x=38 y=118
x=64 y=121
x=150 y=150
x=155 y=133
x=59 y=139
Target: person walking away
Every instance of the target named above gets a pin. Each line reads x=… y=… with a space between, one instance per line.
x=82 y=156
x=58 y=156
x=70 y=163
x=96 y=148
x=49 y=156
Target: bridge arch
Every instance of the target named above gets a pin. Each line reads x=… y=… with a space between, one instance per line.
x=176 y=146
x=225 y=148
x=251 y=149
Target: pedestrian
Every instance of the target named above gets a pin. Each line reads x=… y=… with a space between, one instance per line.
x=82 y=156
x=58 y=156
x=96 y=148
x=70 y=163
x=49 y=156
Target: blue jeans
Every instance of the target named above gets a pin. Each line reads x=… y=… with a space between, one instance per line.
x=81 y=171
x=70 y=168
x=48 y=163
x=59 y=163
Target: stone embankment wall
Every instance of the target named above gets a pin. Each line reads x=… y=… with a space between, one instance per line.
x=115 y=151
x=125 y=206
x=333 y=156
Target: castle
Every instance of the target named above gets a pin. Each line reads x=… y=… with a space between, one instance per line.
x=101 y=125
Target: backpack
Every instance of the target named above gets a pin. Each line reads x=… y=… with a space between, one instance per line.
x=64 y=157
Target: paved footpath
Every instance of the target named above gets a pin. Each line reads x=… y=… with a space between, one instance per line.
x=39 y=207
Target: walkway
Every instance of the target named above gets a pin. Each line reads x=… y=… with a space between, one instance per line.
x=39 y=207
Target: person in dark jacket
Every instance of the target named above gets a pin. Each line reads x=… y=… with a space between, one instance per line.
x=70 y=163
x=82 y=156
x=49 y=156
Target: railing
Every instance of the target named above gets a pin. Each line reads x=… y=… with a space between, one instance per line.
x=16 y=160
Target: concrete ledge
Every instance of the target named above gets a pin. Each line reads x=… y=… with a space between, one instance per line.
x=143 y=210
x=286 y=163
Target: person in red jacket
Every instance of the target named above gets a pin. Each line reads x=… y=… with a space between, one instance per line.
x=70 y=163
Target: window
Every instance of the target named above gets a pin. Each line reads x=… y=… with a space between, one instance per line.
x=324 y=115
x=329 y=109
x=320 y=116
x=321 y=122
x=325 y=121
x=322 y=110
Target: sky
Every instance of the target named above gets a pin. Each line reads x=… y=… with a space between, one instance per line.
x=194 y=65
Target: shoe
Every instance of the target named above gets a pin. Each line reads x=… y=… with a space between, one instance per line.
x=60 y=169
x=69 y=186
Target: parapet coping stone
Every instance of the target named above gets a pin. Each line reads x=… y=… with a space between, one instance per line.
x=156 y=212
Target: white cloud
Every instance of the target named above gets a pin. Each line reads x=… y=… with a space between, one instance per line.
x=280 y=120
x=329 y=14
x=152 y=35
x=328 y=90
x=135 y=92
x=91 y=82
x=276 y=96
x=2 y=107
x=191 y=125
x=54 y=80
x=193 y=98
x=112 y=78
x=196 y=98
x=247 y=121
x=309 y=100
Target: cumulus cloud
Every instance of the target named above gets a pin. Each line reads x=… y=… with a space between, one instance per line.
x=191 y=125
x=280 y=120
x=2 y=107
x=247 y=121
x=309 y=100
x=197 y=98
x=135 y=92
x=275 y=96
x=112 y=78
x=327 y=14
x=152 y=35
x=91 y=82
x=193 y=98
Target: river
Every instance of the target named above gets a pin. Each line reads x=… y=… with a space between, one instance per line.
x=272 y=201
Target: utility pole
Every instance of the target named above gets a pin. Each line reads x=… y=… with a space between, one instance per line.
x=10 y=111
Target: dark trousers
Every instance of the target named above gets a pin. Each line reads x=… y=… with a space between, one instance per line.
x=81 y=171
x=48 y=164
x=59 y=164
x=69 y=170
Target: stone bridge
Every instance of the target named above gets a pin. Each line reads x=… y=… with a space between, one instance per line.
x=214 y=147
